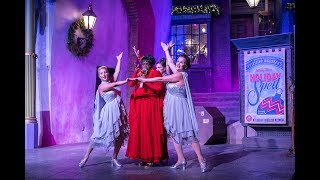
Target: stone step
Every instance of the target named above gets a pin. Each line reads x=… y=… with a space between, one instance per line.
x=217 y=104
x=216 y=94
x=226 y=109
x=217 y=98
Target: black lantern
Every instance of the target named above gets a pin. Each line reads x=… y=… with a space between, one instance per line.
x=89 y=17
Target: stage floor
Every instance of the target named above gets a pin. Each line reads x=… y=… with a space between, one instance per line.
x=225 y=162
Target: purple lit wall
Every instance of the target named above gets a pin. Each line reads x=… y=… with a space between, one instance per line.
x=221 y=48
x=162 y=21
x=73 y=80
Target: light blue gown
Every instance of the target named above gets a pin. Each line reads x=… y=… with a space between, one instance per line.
x=109 y=120
x=179 y=115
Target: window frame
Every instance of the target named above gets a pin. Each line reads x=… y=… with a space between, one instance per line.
x=196 y=19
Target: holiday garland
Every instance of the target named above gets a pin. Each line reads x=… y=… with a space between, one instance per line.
x=75 y=47
x=196 y=9
x=290 y=6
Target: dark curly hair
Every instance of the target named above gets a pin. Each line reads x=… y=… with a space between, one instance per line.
x=148 y=58
x=188 y=61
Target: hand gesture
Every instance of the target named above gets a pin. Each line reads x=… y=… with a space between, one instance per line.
x=166 y=47
x=141 y=79
x=136 y=67
x=170 y=45
x=132 y=79
x=119 y=56
x=137 y=52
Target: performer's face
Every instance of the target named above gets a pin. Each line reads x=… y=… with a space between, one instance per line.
x=104 y=74
x=145 y=65
x=181 y=64
x=160 y=68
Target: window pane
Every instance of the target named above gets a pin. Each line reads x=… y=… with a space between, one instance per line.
x=180 y=29
x=203 y=28
x=195 y=28
x=195 y=39
x=173 y=39
x=187 y=40
x=180 y=39
x=203 y=49
x=187 y=29
x=187 y=49
x=192 y=40
x=203 y=38
x=195 y=49
x=179 y=50
x=173 y=30
x=193 y=59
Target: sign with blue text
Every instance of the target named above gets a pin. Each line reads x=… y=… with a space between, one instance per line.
x=265 y=87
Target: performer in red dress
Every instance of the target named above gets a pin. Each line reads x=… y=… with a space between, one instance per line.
x=147 y=139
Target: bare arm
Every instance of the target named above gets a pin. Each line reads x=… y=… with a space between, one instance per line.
x=110 y=86
x=117 y=70
x=170 y=62
x=168 y=71
x=176 y=77
x=134 y=75
x=136 y=52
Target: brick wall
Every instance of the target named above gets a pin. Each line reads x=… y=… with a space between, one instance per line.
x=221 y=49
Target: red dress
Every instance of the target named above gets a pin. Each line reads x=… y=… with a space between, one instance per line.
x=147 y=138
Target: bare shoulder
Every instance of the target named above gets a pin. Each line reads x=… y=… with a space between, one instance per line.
x=179 y=74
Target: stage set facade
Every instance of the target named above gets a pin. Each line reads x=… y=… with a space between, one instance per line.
x=242 y=74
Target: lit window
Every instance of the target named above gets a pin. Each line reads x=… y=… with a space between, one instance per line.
x=190 y=39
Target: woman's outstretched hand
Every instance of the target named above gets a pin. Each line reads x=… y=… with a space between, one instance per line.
x=119 y=56
x=132 y=79
x=141 y=79
x=167 y=47
x=170 y=45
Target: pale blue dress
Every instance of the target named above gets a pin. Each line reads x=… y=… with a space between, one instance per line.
x=179 y=114
x=109 y=120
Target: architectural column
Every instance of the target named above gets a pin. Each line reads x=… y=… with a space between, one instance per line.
x=31 y=125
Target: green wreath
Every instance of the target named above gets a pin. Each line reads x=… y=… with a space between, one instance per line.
x=77 y=47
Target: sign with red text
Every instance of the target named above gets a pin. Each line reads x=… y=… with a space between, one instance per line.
x=265 y=85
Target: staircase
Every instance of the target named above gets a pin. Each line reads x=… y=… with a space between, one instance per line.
x=228 y=103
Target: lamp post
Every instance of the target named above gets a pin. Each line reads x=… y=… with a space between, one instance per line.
x=89 y=17
x=253 y=3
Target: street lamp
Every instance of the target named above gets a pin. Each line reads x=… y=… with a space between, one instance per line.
x=89 y=17
x=253 y=3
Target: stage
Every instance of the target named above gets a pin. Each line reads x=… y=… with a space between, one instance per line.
x=225 y=161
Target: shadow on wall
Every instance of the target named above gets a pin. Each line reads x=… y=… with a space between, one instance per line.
x=47 y=137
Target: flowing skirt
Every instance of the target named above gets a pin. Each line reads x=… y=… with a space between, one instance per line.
x=147 y=139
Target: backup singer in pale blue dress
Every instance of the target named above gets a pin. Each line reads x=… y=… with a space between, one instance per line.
x=110 y=123
x=179 y=115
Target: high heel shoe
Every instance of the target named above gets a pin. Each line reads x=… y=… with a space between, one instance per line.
x=116 y=163
x=179 y=164
x=83 y=162
x=203 y=166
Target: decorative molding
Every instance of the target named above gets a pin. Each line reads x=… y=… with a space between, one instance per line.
x=290 y=6
x=196 y=9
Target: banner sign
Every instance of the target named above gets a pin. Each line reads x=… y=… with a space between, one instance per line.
x=265 y=87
